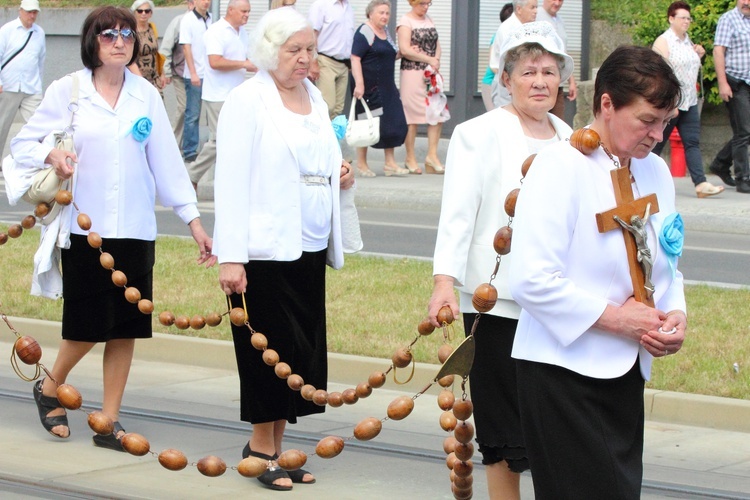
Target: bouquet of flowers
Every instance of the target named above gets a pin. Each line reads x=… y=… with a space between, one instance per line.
x=436 y=101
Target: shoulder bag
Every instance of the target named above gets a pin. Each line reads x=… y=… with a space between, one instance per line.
x=46 y=183
x=362 y=133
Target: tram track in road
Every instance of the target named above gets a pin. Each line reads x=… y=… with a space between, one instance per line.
x=359 y=452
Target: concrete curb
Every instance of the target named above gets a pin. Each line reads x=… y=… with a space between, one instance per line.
x=660 y=406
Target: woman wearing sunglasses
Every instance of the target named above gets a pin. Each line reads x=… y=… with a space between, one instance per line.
x=125 y=155
x=148 y=63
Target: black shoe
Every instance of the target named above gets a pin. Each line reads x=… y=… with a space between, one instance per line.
x=111 y=440
x=724 y=175
x=45 y=404
x=743 y=185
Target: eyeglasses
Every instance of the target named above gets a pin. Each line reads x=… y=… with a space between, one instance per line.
x=425 y=4
x=110 y=36
x=143 y=11
x=684 y=18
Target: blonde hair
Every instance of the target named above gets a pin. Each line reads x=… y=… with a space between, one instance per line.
x=275 y=4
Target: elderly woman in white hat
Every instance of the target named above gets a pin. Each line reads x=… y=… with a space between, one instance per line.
x=483 y=165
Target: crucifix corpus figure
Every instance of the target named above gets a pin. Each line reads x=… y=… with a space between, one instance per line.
x=630 y=209
x=637 y=228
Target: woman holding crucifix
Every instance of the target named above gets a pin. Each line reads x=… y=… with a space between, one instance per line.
x=584 y=345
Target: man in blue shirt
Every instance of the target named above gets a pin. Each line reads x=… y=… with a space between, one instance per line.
x=732 y=61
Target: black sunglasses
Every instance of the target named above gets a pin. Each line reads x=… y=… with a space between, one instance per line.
x=143 y=11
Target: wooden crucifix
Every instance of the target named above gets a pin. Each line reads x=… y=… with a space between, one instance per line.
x=630 y=215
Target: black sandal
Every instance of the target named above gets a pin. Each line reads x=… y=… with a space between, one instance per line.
x=273 y=473
x=111 y=440
x=46 y=404
x=297 y=476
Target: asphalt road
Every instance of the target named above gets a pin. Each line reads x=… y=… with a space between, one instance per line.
x=712 y=257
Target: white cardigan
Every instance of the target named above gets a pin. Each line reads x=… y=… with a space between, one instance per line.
x=256 y=187
x=564 y=272
x=483 y=165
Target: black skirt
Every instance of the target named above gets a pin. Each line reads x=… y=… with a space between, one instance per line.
x=494 y=392
x=286 y=302
x=584 y=436
x=94 y=309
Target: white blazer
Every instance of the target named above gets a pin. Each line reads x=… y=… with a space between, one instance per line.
x=564 y=272
x=483 y=165
x=256 y=188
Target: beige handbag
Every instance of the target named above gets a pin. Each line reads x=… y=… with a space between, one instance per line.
x=362 y=133
x=46 y=183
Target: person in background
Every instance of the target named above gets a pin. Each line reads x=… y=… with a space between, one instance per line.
x=732 y=61
x=548 y=13
x=148 y=63
x=226 y=44
x=374 y=56
x=333 y=22
x=489 y=75
x=420 y=48
x=484 y=164
x=192 y=28
x=524 y=11
x=584 y=346
x=275 y=4
x=279 y=173
x=117 y=187
x=22 y=53
x=174 y=67
x=685 y=58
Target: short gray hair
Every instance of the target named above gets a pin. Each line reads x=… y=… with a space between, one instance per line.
x=138 y=3
x=374 y=3
x=272 y=31
x=531 y=51
x=519 y=3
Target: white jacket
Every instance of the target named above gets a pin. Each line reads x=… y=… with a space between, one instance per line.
x=564 y=272
x=483 y=165
x=256 y=188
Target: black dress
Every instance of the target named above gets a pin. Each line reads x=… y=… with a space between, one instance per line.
x=378 y=67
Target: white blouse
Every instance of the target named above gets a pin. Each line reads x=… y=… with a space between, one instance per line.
x=685 y=63
x=315 y=198
x=118 y=177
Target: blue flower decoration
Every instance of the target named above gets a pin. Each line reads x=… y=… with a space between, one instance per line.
x=672 y=238
x=142 y=129
x=339 y=126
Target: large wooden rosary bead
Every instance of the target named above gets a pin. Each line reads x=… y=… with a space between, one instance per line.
x=252 y=467
x=182 y=322
x=376 y=380
x=100 y=423
x=41 y=210
x=295 y=382
x=445 y=316
x=69 y=397
x=282 y=370
x=449 y=445
x=166 y=318
x=450 y=460
x=585 y=140
x=463 y=482
x=64 y=197
x=94 y=240
x=28 y=350
x=132 y=295
x=448 y=421
x=502 y=240
x=368 y=429
x=425 y=327
x=463 y=409
x=3 y=238
x=172 y=459
x=320 y=397
x=400 y=408
x=484 y=298
x=527 y=165
x=444 y=351
x=237 y=316
x=145 y=306
x=292 y=459
x=107 y=261
x=335 y=399
x=510 y=202
x=211 y=466
x=401 y=358
x=461 y=494
x=463 y=469
x=213 y=319
x=135 y=444
x=84 y=221
x=270 y=357
x=329 y=447
x=363 y=390
x=464 y=432
x=259 y=341
x=446 y=381
x=349 y=396
x=28 y=222
x=197 y=322
x=119 y=278
x=446 y=399
x=15 y=231
x=307 y=392
x=464 y=451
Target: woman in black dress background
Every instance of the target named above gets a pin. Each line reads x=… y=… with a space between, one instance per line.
x=374 y=55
